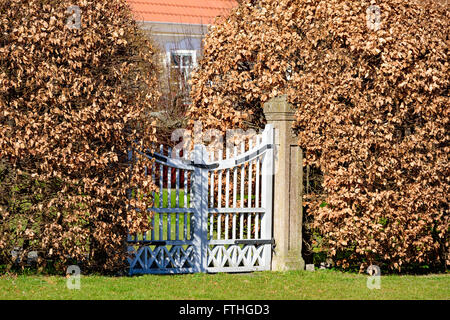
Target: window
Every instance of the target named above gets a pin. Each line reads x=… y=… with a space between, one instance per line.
x=182 y=62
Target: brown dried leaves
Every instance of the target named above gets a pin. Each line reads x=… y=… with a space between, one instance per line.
x=372 y=114
x=71 y=103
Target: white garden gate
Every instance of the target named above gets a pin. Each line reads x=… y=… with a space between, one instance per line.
x=215 y=215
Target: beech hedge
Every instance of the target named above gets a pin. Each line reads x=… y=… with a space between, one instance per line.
x=370 y=81
x=77 y=85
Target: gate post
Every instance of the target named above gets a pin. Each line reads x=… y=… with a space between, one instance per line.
x=288 y=187
x=267 y=194
x=200 y=217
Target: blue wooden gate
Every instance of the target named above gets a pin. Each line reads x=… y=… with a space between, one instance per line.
x=218 y=215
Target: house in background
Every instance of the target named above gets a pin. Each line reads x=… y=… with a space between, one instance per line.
x=179 y=26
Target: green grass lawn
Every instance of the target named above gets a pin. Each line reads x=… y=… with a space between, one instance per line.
x=173 y=198
x=173 y=217
x=162 y=234
x=296 y=285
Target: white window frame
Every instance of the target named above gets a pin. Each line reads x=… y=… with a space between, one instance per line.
x=185 y=71
x=192 y=53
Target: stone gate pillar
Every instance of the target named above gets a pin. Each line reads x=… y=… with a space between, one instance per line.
x=288 y=188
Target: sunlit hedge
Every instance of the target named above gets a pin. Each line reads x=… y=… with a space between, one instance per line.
x=373 y=115
x=72 y=101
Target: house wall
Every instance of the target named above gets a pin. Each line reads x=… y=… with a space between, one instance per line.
x=176 y=36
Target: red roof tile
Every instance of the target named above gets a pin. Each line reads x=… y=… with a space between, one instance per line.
x=180 y=11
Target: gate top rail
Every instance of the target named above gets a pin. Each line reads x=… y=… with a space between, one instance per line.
x=191 y=165
x=245 y=157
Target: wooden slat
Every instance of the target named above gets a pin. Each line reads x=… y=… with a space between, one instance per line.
x=211 y=205
x=235 y=181
x=191 y=191
x=250 y=178
x=257 y=183
x=241 y=222
x=227 y=195
x=249 y=200
x=185 y=155
x=169 y=199
x=177 y=172
x=219 y=199
x=153 y=195
x=211 y=193
x=144 y=235
x=257 y=191
x=161 y=194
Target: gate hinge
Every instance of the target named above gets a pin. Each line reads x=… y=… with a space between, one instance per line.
x=256 y=242
x=148 y=242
